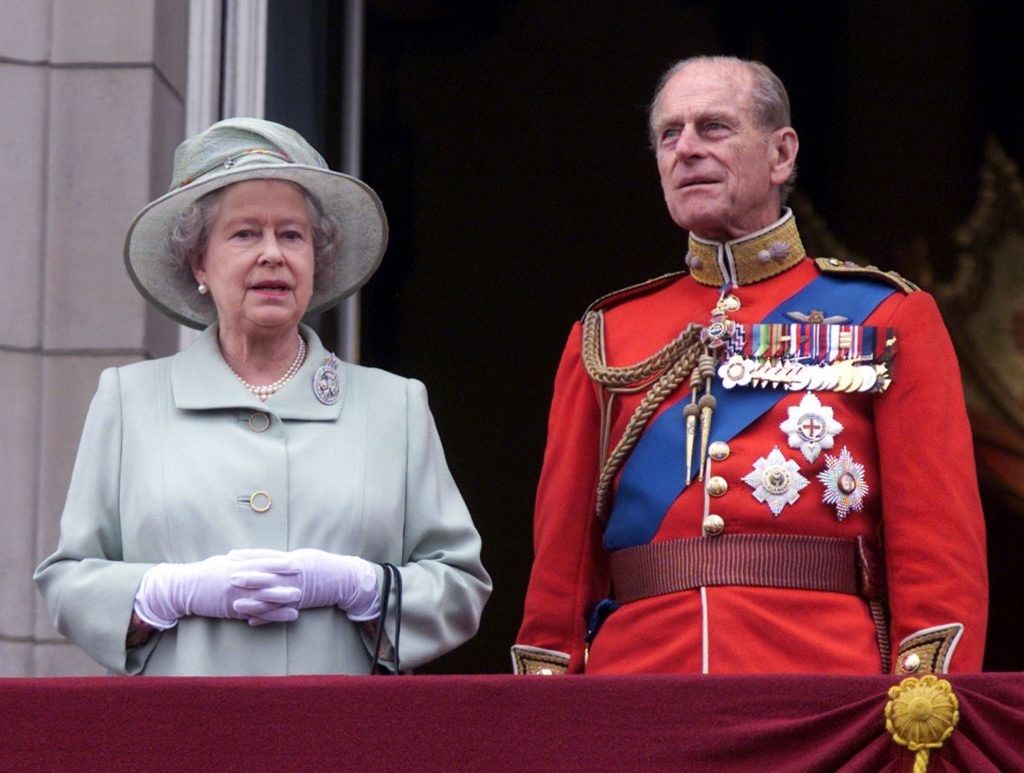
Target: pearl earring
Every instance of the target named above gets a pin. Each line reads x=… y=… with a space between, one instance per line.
x=203 y=289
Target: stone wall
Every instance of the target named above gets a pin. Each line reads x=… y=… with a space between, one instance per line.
x=91 y=108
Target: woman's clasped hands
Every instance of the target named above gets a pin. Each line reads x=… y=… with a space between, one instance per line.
x=258 y=585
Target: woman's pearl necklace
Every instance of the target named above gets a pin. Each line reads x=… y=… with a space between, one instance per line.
x=263 y=392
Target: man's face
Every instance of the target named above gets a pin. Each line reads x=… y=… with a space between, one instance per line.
x=721 y=174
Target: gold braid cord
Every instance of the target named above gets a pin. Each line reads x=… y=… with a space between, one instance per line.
x=921 y=714
x=670 y=366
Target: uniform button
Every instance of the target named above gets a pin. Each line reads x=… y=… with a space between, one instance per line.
x=713 y=525
x=719 y=451
x=911 y=663
x=717 y=485
x=545 y=671
x=259 y=421
x=260 y=501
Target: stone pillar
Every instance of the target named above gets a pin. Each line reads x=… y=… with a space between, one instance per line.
x=91 y=108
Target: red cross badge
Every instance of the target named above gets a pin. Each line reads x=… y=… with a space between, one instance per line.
x=811 y=427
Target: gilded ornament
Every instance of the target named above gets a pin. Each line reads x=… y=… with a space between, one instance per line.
x=921 y=714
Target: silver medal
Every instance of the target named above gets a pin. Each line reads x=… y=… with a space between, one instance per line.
x=810 y=427
x=844 y=483
x=776 y=481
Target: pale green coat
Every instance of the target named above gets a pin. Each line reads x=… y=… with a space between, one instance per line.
x=166 y=466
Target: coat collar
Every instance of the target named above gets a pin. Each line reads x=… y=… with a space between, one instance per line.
x=202 y=380
x=750 y=258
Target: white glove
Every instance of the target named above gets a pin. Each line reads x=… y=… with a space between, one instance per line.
x=324 y=579
x=172 y=591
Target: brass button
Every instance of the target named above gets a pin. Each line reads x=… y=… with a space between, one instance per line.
x=713 y=525
x=835 y=261
x=260 y=501
x=259 y=421
x=717 y=485
x=911 y=663
x=719 y=451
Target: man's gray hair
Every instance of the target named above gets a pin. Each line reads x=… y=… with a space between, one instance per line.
x=769 y=101
x=190 y=233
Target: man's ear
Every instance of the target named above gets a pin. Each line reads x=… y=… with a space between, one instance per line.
x=784 y=147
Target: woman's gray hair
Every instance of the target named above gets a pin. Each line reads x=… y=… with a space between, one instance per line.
x=190 y=233
x=769 y=101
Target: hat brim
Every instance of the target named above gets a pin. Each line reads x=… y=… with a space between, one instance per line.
x=171 y=288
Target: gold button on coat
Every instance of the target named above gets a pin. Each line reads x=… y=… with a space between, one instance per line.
x=713 y=525
x=719 y=451
x=717 y=485
x=259 y=421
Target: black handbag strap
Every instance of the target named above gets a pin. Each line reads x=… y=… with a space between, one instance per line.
x=391 y=577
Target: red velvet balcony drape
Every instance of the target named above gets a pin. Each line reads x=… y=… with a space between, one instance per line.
x=767 y=723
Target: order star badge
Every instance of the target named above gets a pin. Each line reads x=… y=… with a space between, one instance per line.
x=844 y=483
x=811 y=427
x=776 y=481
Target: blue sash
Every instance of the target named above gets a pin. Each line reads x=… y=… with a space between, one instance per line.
x=655 y=473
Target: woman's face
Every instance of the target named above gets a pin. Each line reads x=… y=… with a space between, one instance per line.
x=259 y=258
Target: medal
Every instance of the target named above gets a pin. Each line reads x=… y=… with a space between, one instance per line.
x=776 y=481
x=326 y=382
x=810 y=427
x=844 y=483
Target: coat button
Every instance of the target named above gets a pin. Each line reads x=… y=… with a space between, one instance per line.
x=717 y=485
x=260 y=501
x=259 y=421
x=911 y=663
x=719 y=451
x=713 y=525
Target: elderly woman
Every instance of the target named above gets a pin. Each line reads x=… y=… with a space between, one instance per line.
x=238 y=508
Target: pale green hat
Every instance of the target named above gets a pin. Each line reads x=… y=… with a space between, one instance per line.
x=240 y=149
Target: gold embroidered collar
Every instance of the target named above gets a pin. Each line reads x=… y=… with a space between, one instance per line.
x=750 y=258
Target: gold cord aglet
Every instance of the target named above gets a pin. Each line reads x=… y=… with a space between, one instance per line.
x=690 y=411
x=707 y=407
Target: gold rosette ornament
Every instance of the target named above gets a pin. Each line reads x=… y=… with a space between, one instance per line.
x=921 y=714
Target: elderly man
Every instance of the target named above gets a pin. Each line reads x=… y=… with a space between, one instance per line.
x=761 y=464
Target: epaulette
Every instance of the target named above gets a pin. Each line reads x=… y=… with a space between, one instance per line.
x=849 y=268
x=633 y=291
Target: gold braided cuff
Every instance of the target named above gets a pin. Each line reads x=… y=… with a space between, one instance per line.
x=536 y=660
x=929 y=650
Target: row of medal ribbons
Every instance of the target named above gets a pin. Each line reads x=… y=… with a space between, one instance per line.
x=804 y=356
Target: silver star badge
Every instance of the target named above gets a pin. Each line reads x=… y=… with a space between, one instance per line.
x=811 y=427
x=776 y=481
x=844 y=483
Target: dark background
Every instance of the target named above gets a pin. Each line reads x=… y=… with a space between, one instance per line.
x=507 y=142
